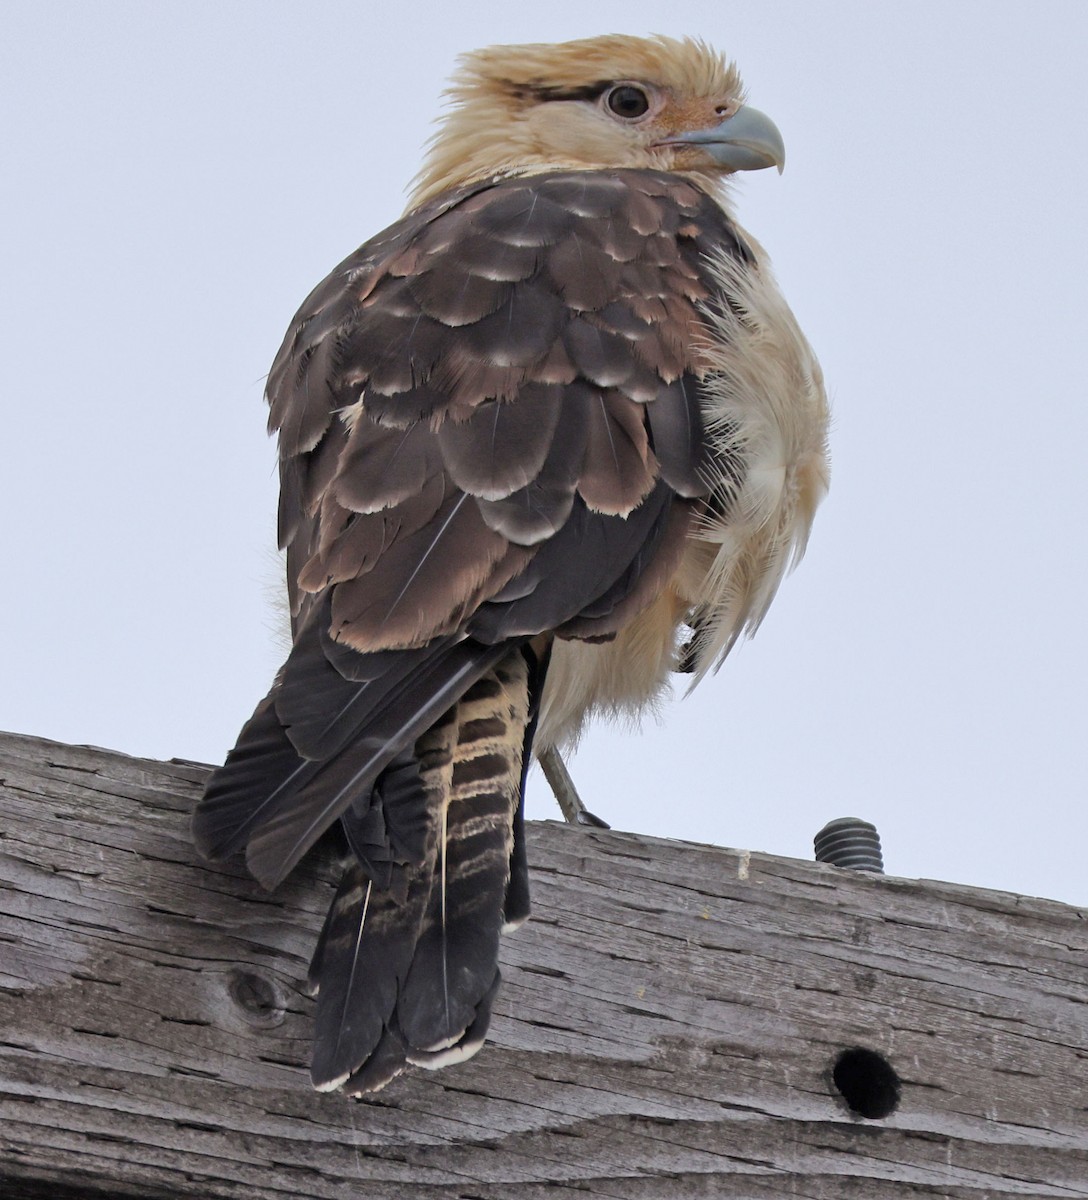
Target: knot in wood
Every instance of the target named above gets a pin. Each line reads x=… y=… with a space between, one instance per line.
x=257 y=997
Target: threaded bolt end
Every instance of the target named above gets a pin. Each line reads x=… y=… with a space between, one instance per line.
x=850 y=842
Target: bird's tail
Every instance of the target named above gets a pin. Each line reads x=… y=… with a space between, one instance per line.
x=407 y=965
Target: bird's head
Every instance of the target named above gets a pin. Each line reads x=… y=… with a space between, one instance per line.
x=605 y=102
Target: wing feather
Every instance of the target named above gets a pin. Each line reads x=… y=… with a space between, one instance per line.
x=620 y=469
x=515 y=438
x=500 y=347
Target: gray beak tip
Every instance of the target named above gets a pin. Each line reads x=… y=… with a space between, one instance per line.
x=747 y=141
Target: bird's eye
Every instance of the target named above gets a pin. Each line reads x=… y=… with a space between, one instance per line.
x=628 y=101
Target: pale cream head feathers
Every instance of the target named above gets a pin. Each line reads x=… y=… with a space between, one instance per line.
x=520 y=109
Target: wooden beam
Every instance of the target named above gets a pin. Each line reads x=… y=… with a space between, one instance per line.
x=668 y=1024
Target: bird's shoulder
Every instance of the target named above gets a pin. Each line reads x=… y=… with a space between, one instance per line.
x=513 y=264
x=507 y=362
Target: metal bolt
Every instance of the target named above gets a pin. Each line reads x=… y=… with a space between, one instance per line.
x=850 y=842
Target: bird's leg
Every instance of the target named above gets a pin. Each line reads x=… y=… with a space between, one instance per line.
x=557 y=775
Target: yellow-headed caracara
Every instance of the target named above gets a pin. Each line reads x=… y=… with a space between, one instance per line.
x=550 y=429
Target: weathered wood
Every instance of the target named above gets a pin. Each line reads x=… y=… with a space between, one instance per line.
x=666 y=1028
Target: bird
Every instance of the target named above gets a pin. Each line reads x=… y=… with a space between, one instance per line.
x=550 y=438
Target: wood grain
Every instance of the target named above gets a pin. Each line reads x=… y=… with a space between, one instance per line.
x=667 y=1026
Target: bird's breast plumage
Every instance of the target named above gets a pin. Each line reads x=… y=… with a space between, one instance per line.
x=764 y=419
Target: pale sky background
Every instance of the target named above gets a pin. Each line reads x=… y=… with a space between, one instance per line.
x=177 y=176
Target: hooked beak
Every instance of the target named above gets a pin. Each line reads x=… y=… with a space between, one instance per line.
x=747 y=141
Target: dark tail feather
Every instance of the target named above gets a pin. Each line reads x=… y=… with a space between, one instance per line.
x=455 y=965
x=262 y=758
x=470 y=1040
x=516 y=907
x=289 y=777
x=409 y=974
x=300 y=814
x=365 y=950
x=387 y=1061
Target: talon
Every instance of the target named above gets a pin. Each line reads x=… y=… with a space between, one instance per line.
x=585 y=817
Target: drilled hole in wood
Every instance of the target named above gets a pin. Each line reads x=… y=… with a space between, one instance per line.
x=867 y=1082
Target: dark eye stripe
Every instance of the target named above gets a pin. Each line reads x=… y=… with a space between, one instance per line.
x=536 y=92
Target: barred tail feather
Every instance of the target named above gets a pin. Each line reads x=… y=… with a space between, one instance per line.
x=408 y=974
x=366 y=948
